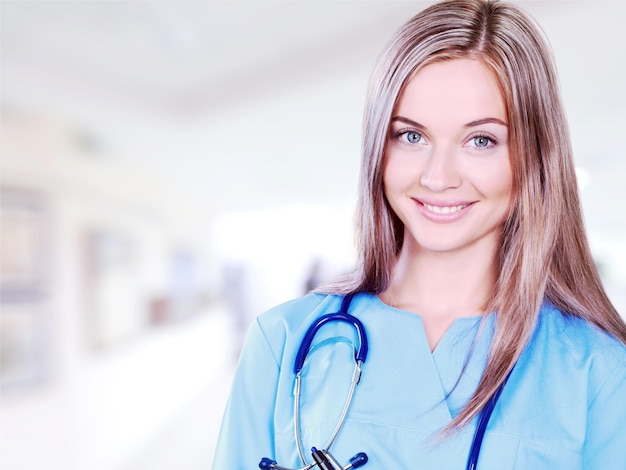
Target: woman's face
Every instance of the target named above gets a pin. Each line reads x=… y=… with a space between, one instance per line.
x=447 y=173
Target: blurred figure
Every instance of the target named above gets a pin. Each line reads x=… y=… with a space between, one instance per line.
x=313 y=276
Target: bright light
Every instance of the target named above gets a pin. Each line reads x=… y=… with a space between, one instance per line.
x=582 y=176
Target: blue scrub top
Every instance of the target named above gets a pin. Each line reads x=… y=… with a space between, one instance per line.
x=564 y=406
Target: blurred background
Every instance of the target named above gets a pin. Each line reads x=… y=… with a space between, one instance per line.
x=169 y=170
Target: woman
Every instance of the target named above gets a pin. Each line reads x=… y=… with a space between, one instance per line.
x=474 y=280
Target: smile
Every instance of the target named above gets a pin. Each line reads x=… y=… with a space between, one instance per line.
x=444 y=209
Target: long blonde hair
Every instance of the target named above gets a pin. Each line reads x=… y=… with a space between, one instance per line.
x=544 y=253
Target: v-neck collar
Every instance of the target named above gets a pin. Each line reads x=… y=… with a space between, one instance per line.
x=447 y=378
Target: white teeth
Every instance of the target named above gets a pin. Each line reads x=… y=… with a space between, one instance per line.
x=443 y=209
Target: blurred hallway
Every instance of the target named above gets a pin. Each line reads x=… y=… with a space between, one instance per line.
x=188 y=440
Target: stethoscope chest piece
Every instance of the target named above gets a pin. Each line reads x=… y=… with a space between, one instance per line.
x=322 y=459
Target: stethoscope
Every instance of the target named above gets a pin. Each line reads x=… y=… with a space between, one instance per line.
x=322 y=458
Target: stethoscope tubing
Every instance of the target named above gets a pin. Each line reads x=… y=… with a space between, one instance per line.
x=360 y=356
x=356 y=377
x=481 y=427
x=341 y=316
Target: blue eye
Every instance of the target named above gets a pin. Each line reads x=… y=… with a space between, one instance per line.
x=481 y=141
x=413 y=137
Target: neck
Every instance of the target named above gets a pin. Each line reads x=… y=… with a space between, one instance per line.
x=442 y=285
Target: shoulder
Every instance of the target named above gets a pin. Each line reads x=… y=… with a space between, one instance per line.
x=287 y=322
x=578 y=335
x=293 y=313
x=576 y=346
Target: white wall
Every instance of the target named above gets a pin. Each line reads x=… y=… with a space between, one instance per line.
x=102 y=409
x=96 y=408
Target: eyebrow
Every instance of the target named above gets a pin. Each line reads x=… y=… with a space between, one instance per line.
x=489 y=120
x=478 y=122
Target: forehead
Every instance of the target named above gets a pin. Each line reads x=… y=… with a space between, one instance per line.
x=463 y=89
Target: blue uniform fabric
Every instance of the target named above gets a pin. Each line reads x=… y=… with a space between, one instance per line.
x=564 y=406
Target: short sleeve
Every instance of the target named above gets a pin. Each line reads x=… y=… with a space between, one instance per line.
x=247 y=431
x=605 y=442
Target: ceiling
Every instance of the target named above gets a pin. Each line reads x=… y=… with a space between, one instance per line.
x=158 y=81
x=179 y=58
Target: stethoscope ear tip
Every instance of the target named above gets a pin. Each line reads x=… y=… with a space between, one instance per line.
x=266 y=464
x=358 y=460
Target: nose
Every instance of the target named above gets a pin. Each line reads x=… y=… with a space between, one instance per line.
x=440 y=171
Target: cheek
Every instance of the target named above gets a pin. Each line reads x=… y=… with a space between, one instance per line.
x=398 y=174
x=504 y=184
x=501 y=189
x=391 y=185
x=495 y=181
x=501 y=192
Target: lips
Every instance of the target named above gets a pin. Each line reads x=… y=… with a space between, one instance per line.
x=443 y=211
